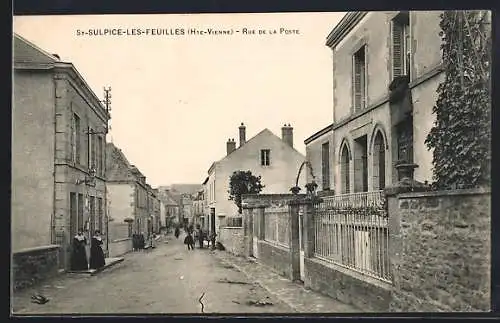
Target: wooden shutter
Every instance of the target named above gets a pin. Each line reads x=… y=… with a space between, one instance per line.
x=357 y=84
x=73 y=138
x=77 y=139
x=397 y=49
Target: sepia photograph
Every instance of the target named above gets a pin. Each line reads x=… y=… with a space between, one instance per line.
x=333 y=163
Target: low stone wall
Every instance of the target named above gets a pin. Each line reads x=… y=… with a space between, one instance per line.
x=120 y=247
x=32 y=265
x=276 y=257
x=366 y=293
x=233 y=240
x=441 y=257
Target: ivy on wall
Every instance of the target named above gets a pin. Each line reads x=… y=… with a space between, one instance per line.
x=461 y=135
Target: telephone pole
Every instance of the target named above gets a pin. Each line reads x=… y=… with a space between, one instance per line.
x=107 y=104
x=107 y=98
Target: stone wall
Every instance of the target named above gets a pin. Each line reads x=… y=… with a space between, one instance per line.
x=276 y=257
x=233 y=240
x=32 y=265
x=366 y=293
x=441 y=255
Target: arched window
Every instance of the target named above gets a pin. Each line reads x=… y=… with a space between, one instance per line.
x=378 y=162
x=344 y=170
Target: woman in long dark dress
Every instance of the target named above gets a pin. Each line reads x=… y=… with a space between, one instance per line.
x=96 y=253
x=189 y=241
x=79 y=254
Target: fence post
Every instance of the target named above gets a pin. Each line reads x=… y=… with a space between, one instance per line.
x=294 y=242
x=248 y=230
x=309 y=232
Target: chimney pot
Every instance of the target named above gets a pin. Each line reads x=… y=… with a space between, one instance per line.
x=242 y=129
x=287 y=134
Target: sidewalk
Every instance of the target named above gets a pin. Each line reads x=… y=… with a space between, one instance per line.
x=293 y=294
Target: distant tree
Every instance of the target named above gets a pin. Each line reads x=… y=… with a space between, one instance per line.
x=243 y=182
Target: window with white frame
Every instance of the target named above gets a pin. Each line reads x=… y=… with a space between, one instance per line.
x=265 y=157
x=401 y=45
x=359 y=79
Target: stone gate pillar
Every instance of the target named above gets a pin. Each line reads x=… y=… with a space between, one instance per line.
x=248 y=230
x=308 y=230
x=294 y=242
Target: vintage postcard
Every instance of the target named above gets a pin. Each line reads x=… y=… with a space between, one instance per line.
x=329 y=162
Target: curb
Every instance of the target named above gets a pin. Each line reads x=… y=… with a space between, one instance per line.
x=260 y=283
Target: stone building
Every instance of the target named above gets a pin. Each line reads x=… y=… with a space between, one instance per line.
x=58 y=152
x=266 y=155
x=133 y=204
x=172 y=212
x=198 y=209
x=386 y=68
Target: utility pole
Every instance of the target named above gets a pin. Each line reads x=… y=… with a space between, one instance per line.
x=107 y=104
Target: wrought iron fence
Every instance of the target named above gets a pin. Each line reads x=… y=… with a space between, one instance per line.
x=351 y=231
x=277 y=225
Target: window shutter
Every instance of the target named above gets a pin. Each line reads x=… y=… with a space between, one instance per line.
x=397 y=48
x=73 y=135
x=357 y=84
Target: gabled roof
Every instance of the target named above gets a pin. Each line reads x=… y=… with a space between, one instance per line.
x=25 y=51
x=265 y=130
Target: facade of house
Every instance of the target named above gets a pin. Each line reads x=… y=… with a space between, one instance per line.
x=133 y=204
x=266 y=155
x=171 y=204
x=59 y=127
x=198 y=209
x=187 y=209
x=377 y=55
x=206 y=209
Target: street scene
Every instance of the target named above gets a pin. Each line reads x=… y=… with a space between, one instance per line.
x=334 y=162
x=172 y=279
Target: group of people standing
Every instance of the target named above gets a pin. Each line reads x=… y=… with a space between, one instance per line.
x=79 y=255
x=192 y=235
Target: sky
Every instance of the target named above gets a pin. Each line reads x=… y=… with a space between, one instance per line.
x=177 y=99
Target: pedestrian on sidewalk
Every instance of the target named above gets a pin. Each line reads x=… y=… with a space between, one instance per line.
x=201 y=237
x=213 y=235
x=96 y=254
x=177 y=232
x=79 y=254
x=189 y=241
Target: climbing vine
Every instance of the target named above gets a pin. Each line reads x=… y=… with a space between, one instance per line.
x=461 y=134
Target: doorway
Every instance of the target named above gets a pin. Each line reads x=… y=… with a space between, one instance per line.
x=360 y=164
x=212 y=220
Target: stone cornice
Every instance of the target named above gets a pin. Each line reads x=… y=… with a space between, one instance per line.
x=318 y=134
x=348 y=22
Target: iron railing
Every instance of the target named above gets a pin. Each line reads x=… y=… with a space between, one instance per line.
x=277 y=225
x=351 y=231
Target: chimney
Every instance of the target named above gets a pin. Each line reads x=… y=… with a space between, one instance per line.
x=230 y=146
x=287 y=134
x=242 y=134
